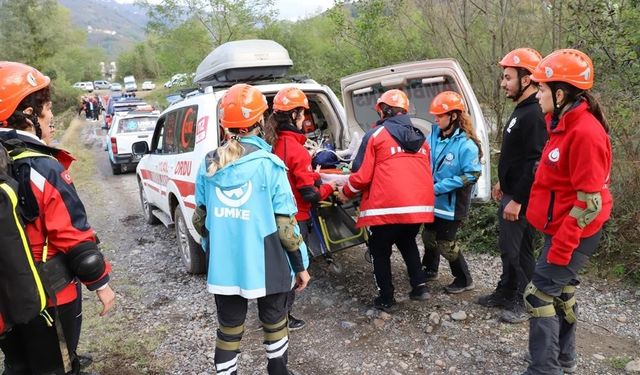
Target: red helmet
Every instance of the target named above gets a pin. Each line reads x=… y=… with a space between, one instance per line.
x=446 y=101
x=393 y=98
x=566 y=65
x=526 y=58
x=290 y=98
x=241 y=106
x=17 y=81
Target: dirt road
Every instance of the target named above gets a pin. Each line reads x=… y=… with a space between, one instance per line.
x=165 y=321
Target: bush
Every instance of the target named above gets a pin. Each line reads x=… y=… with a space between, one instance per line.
x=64 y=95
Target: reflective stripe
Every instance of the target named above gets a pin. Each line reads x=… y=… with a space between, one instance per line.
x=228 y=367
x=375 y=133
x=396 y=210
x=351 y=187
x=279 y=348
x=38 y=180
x=236 y=290
x=444 y=213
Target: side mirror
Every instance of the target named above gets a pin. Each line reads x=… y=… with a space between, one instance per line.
x=140 y=148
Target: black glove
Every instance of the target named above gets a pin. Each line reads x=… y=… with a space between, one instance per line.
x=198 y=220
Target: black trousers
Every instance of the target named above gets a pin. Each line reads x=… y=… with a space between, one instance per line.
x=232 y=312
x=33 y=348
x=445 y=230
x=516 y=251
x=382 y=238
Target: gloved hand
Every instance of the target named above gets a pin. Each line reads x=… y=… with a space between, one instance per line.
x=198 y=220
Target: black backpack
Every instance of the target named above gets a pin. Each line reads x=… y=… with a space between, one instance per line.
x=22 y=295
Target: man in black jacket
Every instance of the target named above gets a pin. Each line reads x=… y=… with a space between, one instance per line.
x=523 y=138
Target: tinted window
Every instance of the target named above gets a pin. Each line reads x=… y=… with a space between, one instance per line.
x=136 y=124
x=169 y=134
x=186 y=131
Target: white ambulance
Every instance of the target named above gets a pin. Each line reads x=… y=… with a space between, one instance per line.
x=189 y=128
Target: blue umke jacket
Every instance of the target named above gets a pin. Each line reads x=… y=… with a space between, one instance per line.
x=456 y=168
x=246 y=257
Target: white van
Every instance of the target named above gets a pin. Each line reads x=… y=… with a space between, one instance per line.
x=189 y=128
x=130 y=84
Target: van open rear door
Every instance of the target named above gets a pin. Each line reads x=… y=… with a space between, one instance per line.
x=421 y=81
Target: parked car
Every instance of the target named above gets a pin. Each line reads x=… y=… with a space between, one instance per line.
x=188 y=129
x=175 y=80
x=128 y=128
x=102 y=85
x=130 y=84
x=84 y=86
x=148 y=85
x=120 y=104
x=116 y=86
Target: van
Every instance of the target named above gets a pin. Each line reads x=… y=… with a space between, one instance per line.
x=130 y=84
x=189 y=128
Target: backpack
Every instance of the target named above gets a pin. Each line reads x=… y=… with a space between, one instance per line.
x=22 y=294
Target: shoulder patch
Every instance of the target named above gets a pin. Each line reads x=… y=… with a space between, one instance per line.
x=66 y=177
x=511 y=124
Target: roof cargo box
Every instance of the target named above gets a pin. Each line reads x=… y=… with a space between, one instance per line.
x=243 y=61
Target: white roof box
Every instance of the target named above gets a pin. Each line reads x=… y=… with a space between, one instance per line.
x=243 y=61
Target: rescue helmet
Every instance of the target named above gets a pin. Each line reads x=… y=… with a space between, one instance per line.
x=566 y=65
x=17 y=81
x=393 y=98
x=525 y=58
x=290 y=98
x=241 y=106
x=445 y=102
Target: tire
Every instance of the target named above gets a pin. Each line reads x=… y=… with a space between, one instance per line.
x=115 y=168
x=147 y=209
x=192 y=255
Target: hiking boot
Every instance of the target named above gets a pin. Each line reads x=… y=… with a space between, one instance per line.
x=496 y=299
x=384 y=304
x=84 y=360
x=431 y=275
x=568 y=367
x=295 y=323
x=453 y=288
x=420 y=293
x=517 y=313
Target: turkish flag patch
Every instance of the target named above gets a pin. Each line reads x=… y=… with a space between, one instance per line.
x=66 y=177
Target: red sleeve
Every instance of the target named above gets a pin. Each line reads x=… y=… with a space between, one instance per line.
x=361 y=179
x=299 y=164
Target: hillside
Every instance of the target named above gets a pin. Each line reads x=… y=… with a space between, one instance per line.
x=111 y=26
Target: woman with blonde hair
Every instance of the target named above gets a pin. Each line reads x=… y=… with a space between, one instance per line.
x=255 y=247
x=455 y=163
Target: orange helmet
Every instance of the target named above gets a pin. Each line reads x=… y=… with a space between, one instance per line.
x=290 y=98
x=393 y=98
x=446 y=101
x=17 y=81
x=526 y=58
x=566 y=65
x=241 y=106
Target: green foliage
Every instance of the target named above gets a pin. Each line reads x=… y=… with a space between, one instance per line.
x=619 y=363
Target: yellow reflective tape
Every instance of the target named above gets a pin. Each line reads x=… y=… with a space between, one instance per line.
x=568 y=289
x=232 y=331
x=30 y=154
x=228 y=345
x=275 y=326
x=25 y=244
x=275 y=336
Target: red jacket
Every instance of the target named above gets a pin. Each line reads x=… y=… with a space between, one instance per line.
x=290 y=149
x=577 y=157
x=394 y=175
x=62 y=221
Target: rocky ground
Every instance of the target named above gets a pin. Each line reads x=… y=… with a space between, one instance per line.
x=165 y=321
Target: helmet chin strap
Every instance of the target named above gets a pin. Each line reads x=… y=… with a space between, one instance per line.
x=520 y=91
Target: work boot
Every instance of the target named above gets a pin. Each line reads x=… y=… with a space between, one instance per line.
x=84 y=360
x=431 y=275
x=568 y=367
x=457 y=288
x=295 y=323
x=516 y=313
x=496 y=299
x=384 y=303
x=420 y=293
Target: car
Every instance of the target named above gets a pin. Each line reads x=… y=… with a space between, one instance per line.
x=175 y=79
x=148 y=85
x=116 y=86
x=102 y=85
x=130 y=84
x=120 y=104
x=128 y=128
x=84 y=86
x=189 y=128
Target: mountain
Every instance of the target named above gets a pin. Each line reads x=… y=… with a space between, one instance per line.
x=112 y=26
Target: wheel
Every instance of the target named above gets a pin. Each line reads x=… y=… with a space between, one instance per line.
x=191 y=253
x=115 y=168
x=147 y=209
x=335 y=268
x=367 y=256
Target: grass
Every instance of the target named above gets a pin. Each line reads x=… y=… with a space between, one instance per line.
x=619 y=363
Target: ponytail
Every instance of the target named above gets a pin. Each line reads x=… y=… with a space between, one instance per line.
x=465 y=124
x=232 y=149
x=596 y=110
x=574 y=94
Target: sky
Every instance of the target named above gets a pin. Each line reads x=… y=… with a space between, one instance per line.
x=289 y=9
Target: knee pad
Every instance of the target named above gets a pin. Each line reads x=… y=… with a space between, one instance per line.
x=538 y=303
x=228 y=338
x=429 y=240
x=448 y=249
x=567 y=303
x=276 y=331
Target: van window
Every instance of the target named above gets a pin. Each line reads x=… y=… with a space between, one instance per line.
x=136 y=124
x=420 y=96
x=186 y=131
x=169 y=133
